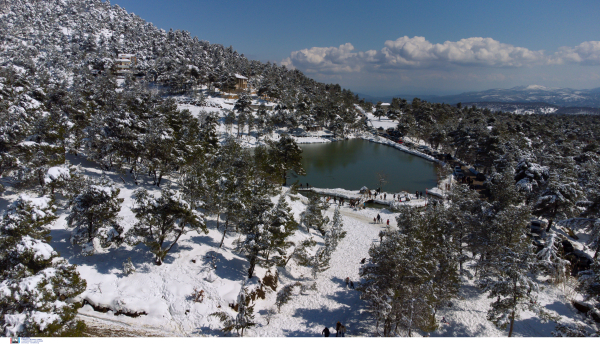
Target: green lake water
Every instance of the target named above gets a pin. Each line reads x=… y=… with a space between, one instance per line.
x=352 y=164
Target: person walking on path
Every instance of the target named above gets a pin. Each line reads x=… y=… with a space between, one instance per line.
x=325 y=332
x=338 y=327
x=378 y=218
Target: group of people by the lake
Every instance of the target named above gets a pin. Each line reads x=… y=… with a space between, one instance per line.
x=339 y=201
x=379 y=219
x=307 y=186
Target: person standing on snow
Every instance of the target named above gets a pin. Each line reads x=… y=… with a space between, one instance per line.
x=338 y=327
x=347 y=281
x=388 y=222
x=343 y=330
x=325 y=332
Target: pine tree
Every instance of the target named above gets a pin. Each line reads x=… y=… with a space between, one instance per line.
x=279 y=227
x=35 y=280
x=397 y=285
x=559 y=197
x=551 y=258
x=245 y=316
x=94 y=215
x=313 y=215
x=161 y=220
x=244 y=319
x=509 y=279
x=337 y=232
x=252 y=225
x=286 y=156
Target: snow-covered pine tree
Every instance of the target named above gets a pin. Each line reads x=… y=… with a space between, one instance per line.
x=252 y=225
x=551 y=258
x=243 y=109
x=94 y=215
x=559 y=197
x=509 y=279
x=279 y=227
x=435 y=230
x=36 y=283
x=128 y=267
x=245 y=317
x=571 y=330
x=162 y=220
x=286 y=156
x=396 y=283
x=337 y=231
x=313 y=215
x=233 y=172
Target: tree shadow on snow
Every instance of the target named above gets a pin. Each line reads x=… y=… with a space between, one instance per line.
x=350 y=312
x=283 y=272
x=357 y=324
x=202 y=240
x=103 y=262
x=460 y=330
x=469 y=292
x=231 y=269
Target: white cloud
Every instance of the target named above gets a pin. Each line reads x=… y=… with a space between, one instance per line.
x=474 y=51
x=327 y=60
x=587 y=53
x=418 y=53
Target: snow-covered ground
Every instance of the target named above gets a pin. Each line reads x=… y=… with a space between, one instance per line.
x=164 y=292
x=160 y=296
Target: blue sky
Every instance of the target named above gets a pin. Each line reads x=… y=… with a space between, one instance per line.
x=403 y=47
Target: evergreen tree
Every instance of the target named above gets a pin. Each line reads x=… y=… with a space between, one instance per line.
x=279 y=227
x=559 y=197
x=161 y=220
x=337 y=231
x=245 y=316
x=94 y=215
x=252 y=225
x=397 y=285
x=35 y=280
x=313 y=215
x=286 y=156
x=509 y=279
x=551 y=258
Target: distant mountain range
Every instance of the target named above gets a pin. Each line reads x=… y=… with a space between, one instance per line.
x=521 y=99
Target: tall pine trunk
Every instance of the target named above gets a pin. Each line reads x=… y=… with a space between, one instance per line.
x=224 y=231
x=252 y=266
x=512 y=322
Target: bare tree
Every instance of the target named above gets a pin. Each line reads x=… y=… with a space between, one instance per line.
x=382 y=178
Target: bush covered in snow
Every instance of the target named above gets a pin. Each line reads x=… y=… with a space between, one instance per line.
x=37 y=286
